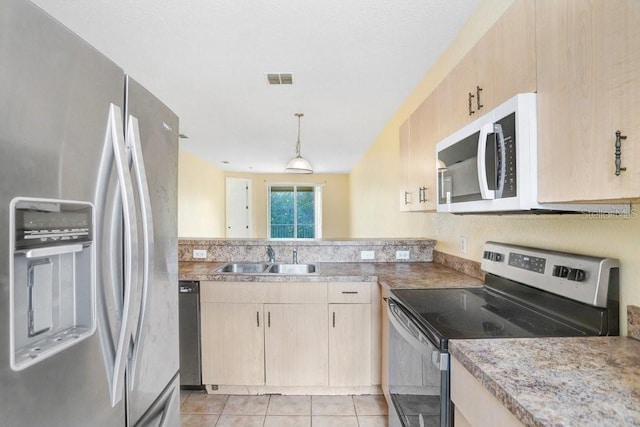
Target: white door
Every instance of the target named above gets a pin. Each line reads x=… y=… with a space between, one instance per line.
x=238 y=208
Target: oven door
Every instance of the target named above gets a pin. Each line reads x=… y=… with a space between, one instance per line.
x=418 y=374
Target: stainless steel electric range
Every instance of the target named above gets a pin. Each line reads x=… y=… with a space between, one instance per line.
x=528 y=292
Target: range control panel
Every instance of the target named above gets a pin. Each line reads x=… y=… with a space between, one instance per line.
x=579 y=277
x=527 y=262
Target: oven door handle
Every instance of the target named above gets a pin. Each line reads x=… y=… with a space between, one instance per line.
x=395 y=318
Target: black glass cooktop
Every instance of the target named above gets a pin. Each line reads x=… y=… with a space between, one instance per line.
x=473 y=313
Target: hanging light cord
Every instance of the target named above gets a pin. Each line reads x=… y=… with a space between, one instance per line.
x=298 y=115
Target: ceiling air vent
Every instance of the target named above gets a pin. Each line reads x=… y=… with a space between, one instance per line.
x=280 y=78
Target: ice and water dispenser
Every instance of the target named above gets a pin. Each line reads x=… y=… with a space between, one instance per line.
x=52 y=278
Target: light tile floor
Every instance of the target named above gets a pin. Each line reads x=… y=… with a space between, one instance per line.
x=201 y=409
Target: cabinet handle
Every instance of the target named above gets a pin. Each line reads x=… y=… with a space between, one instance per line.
x=258 y=318
x=423 y=194
x=471 y=96
x=334 y=319
x=268 y=319
x=619 y=138
x=349 y=292
x=406 y=193
x=478 y=103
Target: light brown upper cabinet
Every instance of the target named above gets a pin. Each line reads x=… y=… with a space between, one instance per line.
x=417 y=164
x=405 y=167
x=588 y=61
x=501 y=65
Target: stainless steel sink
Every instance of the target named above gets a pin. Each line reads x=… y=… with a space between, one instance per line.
x=243 y=267
x=293 y=269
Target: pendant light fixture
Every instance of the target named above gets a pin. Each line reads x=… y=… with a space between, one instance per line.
x=298 y=164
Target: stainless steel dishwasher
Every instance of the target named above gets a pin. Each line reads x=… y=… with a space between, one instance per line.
x=190 y=362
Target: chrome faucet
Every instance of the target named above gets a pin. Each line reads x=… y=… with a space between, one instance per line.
x=272 y=254
x=295 y=256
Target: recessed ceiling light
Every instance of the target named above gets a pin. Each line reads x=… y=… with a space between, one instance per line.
x=280 y=78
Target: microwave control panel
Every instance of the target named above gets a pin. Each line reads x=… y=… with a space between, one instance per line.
x=508 y=124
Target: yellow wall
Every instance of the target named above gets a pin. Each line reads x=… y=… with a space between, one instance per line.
x=335 y=200
x=374 y=194
x=374 y=180
x=200 y=198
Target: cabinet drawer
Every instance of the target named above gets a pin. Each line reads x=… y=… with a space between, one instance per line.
x=350 y=292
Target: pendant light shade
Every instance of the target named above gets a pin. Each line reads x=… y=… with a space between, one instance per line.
x=298 y=164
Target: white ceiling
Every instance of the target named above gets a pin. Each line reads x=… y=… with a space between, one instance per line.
x=353 y=62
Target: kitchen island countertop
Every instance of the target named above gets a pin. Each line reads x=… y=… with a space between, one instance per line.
x=587 y=381
x=389 y=274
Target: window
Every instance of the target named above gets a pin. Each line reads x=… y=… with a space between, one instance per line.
x=295 y=211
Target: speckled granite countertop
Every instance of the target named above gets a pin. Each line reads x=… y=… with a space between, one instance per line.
x=391 y=275
x=593 y=381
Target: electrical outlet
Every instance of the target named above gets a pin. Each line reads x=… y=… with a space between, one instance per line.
x=402 y=254
x=200 y=254
x=367 y=255
x=463 y=244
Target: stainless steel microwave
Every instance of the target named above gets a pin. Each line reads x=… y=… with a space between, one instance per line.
x=490 y=165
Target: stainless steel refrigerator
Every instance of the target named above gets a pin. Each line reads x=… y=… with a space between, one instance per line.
x=88 y=246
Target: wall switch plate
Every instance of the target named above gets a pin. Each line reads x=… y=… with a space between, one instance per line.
x=463 y=244
x=200 y=254
x=402 y=254
x=367 y=255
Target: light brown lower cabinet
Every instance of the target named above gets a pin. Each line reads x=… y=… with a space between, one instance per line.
x=307 y=334
x=349 y=344
x=474 y=404
x=384 y=344
x=296 y=345
x=233 y=351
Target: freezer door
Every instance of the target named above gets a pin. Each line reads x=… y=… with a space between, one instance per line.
x=55 y=97
x=152 y=139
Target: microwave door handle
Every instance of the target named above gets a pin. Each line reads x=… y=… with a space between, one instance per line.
x=485 y=131
x=503 y=160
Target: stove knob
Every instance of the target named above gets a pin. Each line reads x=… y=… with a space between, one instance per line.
x=560 y=271
x=492 y=256
x=576 y=274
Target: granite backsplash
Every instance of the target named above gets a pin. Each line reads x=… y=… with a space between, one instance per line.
x=633 y=321
x=420 y=250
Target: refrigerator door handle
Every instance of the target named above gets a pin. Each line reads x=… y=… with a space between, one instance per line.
x=134 y=145
x=116 y=133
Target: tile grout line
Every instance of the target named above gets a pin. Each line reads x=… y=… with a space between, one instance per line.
x=265 y=415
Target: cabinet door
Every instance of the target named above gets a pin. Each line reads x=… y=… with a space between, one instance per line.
x=384 y=342
x=350 y=344
x=232 y=344
x=296 y=345
x=405 y=167
x=421 y=185
x=501 y=65
x=588 y=88
x=417 y=161
x=505 y=58
x=474 y=404
x=426 y=175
